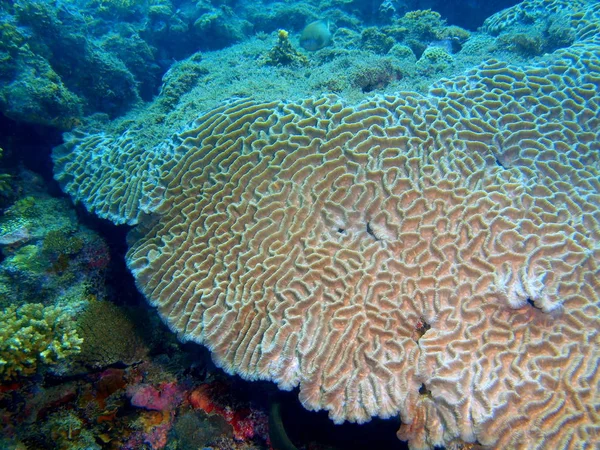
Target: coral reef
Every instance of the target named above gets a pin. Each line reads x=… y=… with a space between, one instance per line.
x=418 y=29
x=375 y=40
x=282 y=15
x=374 y=74
x=115 y=8
x=61 y=62
x=37 y=94
x=435 y=59
x=48 y=256
x=283 y=53
x=68 y=431
x=57 y=74
x=548 y=33
x=143 y=406
x=469 y=14
x=433 y=256
x=198 y=430
x=33 y=336
x=179 y=80
x=165 y=397
x=215 y=398
x=221 y=27
x=110 y=335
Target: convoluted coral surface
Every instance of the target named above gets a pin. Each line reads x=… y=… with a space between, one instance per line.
x=434 y=256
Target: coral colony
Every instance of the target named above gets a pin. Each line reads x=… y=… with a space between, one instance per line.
x=392 y=212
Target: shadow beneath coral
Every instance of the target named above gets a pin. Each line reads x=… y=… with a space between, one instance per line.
x=308 y=429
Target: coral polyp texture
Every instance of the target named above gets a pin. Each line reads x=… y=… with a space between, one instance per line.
x=436 y=256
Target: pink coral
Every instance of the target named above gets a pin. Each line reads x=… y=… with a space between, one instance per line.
x=164 y=398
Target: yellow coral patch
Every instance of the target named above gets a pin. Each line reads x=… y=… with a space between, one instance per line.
x=34 y=335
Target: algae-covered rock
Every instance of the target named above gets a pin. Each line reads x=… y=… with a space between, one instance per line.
x=65 y=430
x=468 y=14
x=180 y=79
x=374 y=74
x=420 y=28
x=434 y=59
x=38 y=94
x=48 y=256
x=55 y=68
x=375 y=40
x=548 y=32
x=116 y=9
x=220 y=28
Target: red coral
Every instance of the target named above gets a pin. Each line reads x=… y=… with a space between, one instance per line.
x=242 y=423
x=246 y=422
x=109 y=382
x=200 y=398
x=10 y=387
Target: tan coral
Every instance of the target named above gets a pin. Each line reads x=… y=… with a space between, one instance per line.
x=307 y=250
x=434 y=256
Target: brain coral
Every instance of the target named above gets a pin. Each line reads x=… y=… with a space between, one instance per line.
x=434 y=256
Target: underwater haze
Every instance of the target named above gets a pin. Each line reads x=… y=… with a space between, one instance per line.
x=338 y=224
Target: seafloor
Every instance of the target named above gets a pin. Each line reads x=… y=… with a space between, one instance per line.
x=389 y=208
